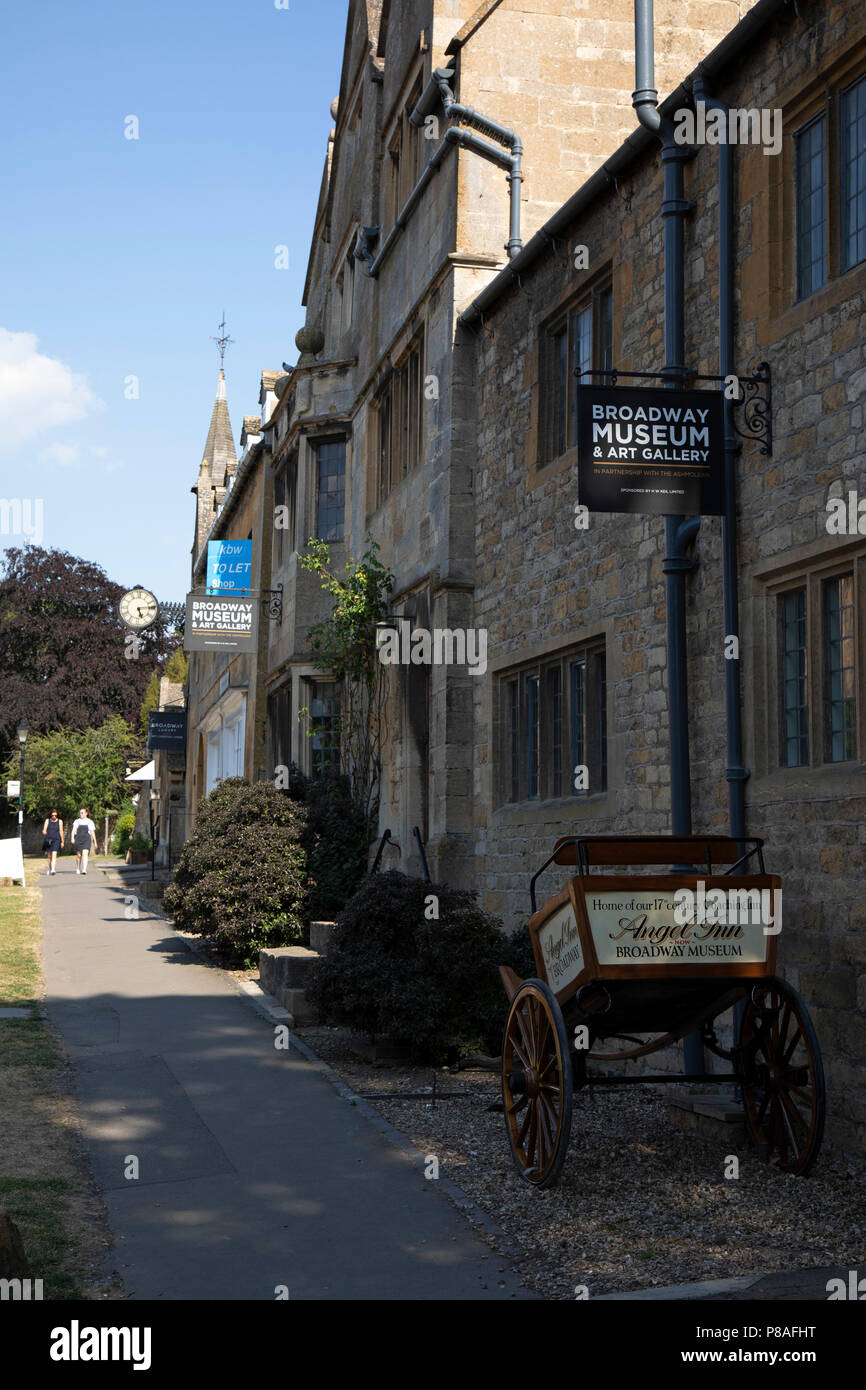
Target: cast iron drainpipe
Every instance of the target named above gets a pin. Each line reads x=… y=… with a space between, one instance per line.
x=439 y=89
x=680 y=533
x=735 y=773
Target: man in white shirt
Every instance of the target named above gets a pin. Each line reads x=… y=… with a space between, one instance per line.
x=83 y=838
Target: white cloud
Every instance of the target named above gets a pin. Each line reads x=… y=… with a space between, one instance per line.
x=72 y=455
x=37 y=393
x=62 y=455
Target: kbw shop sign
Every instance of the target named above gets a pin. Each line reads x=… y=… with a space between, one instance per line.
x=229 y=565
x=650 y=450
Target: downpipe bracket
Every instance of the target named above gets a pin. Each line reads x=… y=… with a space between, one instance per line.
x=679 y=564
x=737 y=774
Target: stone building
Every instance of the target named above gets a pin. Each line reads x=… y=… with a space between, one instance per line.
x=431 y=411
x=576 y=617
x=372 y=437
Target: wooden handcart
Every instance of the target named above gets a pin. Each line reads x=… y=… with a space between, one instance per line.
x=623 y=954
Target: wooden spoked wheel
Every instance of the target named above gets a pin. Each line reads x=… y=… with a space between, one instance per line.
x=783 y=1078
x=536 y=1083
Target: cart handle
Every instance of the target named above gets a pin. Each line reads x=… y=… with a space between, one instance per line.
x=546 y=865
x=674 y=847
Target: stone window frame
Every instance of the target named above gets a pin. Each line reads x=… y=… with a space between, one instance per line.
x=279 y=726
x=393 y=390
x=787 y=313
x=809 y=574
x=285 y=494
x=402 y=144
x=593 y=652
x=306 y=677
x=343 y=292
x=318 y=442
x=541 y=464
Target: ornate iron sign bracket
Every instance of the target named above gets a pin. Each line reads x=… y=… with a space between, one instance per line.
x=756 y=403
x=272 y=603
x=757 y=408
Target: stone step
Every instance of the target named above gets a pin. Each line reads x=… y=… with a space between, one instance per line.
x=320 y=936
x=285 y=967
x=710 y=1114
x=295 y=1000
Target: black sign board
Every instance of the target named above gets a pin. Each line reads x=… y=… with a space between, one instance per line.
x=650 y=450
x=217 y=623
x=166 y=729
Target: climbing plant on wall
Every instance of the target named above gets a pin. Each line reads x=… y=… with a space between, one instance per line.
x=345 y=645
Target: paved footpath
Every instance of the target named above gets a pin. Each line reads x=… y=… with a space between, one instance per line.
x=253 y=1171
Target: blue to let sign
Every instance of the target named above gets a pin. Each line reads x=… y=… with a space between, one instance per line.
x=229 y=566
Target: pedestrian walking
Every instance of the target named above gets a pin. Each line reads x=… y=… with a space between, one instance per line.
x=52 y=838
x=83 y=838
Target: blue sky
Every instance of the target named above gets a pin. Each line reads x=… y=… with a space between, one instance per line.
x=118 y=256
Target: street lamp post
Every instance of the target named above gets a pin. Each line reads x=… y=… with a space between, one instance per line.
x=23 y=731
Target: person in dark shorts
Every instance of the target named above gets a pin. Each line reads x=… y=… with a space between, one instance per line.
x=52 y=838
x=83 y=838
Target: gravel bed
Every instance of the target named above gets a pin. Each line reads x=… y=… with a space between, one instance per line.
x=639 y=1202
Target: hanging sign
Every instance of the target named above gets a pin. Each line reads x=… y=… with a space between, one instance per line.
x=13 y=788
x=650 y=450
x=219 y=624
x=166 y=729
x=229 y=565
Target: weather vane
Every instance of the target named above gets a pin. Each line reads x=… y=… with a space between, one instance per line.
x=222 y=341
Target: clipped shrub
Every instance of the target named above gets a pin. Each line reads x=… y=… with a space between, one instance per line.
x=433 y=984
x=241 y=879
x=123 y=829
x=337 y=841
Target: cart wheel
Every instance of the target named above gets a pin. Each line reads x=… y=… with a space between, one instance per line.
x=783 y=1078
x=536 y=1083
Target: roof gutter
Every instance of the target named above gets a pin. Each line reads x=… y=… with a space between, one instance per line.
x=632 y=147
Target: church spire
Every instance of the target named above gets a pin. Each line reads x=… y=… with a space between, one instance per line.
x=219 y=461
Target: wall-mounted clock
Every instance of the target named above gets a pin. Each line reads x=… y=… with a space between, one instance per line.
x=138 y=608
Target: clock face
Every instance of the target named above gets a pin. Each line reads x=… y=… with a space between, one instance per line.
x=138 y=608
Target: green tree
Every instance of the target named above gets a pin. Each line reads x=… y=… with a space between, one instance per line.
x=70 y=768
x=177 y=667
x=66 y=661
